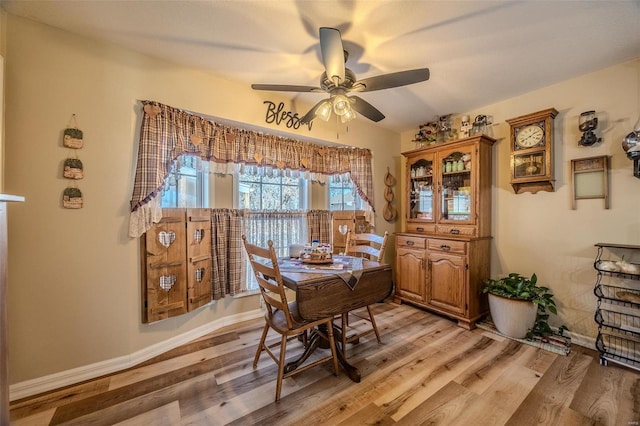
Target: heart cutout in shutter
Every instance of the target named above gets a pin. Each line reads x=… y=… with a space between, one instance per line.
x=167 y=281
x=200 y=274
x=166 y=238
x=198 y=235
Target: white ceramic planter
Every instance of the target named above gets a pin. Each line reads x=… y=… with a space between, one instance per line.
x=512 y=317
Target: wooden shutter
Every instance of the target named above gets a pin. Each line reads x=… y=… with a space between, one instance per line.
x=198 y=257
x=164 y=270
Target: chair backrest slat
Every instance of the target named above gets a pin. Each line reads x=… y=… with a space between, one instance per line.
x=365 y=245
x=264 y=262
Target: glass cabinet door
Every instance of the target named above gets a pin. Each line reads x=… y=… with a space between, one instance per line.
x=421 y=189
x=455 y=169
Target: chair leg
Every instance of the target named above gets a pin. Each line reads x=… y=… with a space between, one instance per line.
x=262 y=339
x=283 y=350
x=373 y=323
x=345 y=324
x=332 y=345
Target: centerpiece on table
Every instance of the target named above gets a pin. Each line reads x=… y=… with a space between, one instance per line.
x=317 y=253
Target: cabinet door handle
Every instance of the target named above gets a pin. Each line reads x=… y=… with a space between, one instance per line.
x=410 y=243
x=420 y=229
x=454 y=231
x=445 y=247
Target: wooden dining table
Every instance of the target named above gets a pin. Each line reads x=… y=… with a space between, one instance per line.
x=322 y=293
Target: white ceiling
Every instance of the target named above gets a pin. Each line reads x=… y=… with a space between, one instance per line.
x=478 y=52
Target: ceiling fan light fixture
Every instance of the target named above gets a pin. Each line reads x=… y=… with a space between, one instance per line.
x=348 y=116
x=324 y=111
x=341 y=105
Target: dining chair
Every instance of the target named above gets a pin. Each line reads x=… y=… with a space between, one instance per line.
x=372 y=247
x=283 y=316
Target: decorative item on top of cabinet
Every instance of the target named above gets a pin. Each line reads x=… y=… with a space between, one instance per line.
x=427 y=134
x=532 y=145
x=465 y=127
x=618 y=309
x=443 y=256
x=176 y=270
x=481 y=125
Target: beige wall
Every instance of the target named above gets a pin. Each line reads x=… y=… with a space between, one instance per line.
x=74 y=280
x=541 y=233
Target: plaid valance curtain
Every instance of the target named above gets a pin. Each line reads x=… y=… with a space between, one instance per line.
x=168 y=132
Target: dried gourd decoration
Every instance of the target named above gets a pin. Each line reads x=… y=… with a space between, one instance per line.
x=73 y=138
x=73 y=169
x=72 y=198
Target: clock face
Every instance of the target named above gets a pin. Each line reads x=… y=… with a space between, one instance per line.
x=529 y=136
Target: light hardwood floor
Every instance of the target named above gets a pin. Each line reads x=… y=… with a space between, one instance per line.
x=426 y=371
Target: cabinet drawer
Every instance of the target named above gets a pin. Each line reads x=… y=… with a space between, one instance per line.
x=448 y=246
x=413 y=242
x=457 y=230
x=421 y=228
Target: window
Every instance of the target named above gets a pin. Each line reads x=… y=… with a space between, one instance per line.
x=343 y=194
x=187 y=185
x=276 y=193
x=277 y=201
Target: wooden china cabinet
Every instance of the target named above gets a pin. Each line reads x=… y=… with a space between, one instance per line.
x=443 y=255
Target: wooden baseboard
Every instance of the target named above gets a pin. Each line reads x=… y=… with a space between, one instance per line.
x=65 y=378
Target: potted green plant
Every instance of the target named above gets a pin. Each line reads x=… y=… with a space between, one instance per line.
x=519 y=307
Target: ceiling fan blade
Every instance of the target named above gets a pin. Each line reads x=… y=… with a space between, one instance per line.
x=366 y=109
x=312 y=113
x=387 y=81
x=332 y=53
x=285 y=88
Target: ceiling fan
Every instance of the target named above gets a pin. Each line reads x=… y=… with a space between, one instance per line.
x=339 y=81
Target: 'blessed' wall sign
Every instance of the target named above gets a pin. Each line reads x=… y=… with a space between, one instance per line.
x=277 y=114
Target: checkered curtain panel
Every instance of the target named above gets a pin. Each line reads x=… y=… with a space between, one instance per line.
x=227 y=251
x=168 y=132
x=319 y=225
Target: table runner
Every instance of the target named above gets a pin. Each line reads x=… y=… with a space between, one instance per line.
x=348 y=268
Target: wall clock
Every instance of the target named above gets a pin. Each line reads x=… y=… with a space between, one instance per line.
x=531 y=142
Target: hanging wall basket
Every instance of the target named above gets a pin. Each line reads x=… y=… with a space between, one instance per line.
x=73 y=169
x=72 y=198
x=73 y=138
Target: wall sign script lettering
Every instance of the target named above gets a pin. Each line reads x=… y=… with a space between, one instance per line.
x=276 y=114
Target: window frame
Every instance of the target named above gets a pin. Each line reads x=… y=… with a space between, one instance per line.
x=358 y=201
x=303 y=192
x=202 y=182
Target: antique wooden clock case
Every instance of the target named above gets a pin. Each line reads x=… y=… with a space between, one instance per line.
x=532 y=143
